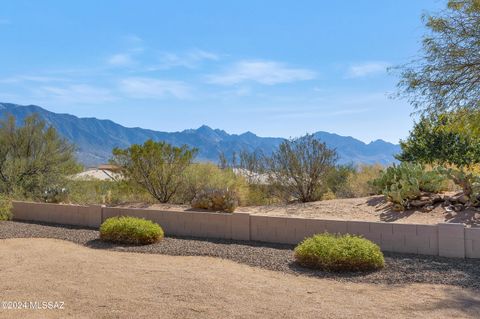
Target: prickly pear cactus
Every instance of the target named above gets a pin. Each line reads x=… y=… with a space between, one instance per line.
x=406 y=181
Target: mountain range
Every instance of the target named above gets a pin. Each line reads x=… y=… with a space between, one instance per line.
x=95 y=139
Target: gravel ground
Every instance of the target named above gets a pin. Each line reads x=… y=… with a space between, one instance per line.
x=399 y=269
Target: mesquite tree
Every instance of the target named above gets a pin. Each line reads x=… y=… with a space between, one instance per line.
x=446 y=77
x=156 y=166
x=32 y=157
x=301 y=167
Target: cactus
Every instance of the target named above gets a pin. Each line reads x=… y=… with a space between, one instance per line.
x=405 y=182
x=468 y=181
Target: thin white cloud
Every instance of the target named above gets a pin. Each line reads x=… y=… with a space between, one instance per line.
x=135 y=43
x=190 y=59
x=73 y=94
x=263 y=72
x=133 y=39
x=135 y=46
x=367 y=68
x=151 y=88
x=30 y=78
x=120 y=59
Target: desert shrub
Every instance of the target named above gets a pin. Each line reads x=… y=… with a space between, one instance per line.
x=216 y=200
x=5 y=208
x=300 y=168
x=337 y=182
x=360 y=182
x=202 y=176
x=442 y=139
x=130 y=230
x=339 y=253
x=329 y=195
x=55 y=194
x=406 y=181
x=158 y=167
x=258 y=195
x=106 y=192
x=32 y=157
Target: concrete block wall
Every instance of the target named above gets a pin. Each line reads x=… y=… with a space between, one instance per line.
x=404 y=238
x=86 y=216
x=472 y=242
x=449 y=240
x=204 y=224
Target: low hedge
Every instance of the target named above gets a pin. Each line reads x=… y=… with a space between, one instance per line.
x=339 y=253
x=130 y=230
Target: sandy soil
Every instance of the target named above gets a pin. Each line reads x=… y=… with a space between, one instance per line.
x=373 y=208
x=105 y=284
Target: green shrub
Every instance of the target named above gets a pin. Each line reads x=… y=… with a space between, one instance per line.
x=337 y=182
x=216 y=200
x=359 y=183
x=405 y=182
x=202 y=176
x=158 y=167
x=339 y=253
x=130 y=230
x=106 y=192
x=259 y=195
x=5 y=208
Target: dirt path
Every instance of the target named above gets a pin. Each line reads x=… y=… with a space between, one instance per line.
x=105 y=284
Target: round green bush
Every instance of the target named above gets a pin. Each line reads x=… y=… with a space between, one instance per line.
x=5 y=208
x=339 y=253
x=130 y=230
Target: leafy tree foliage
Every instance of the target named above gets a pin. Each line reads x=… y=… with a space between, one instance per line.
x=158 y=167
x=32 y=157
x=438 y=140
x=447 y=75
x=301 y=167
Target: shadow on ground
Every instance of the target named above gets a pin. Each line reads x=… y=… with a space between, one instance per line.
x=456 y=300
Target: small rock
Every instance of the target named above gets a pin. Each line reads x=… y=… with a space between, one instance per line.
x=458 y=207
x=477 y=216
x=448 y=215
x=449 y=208
x=463 y=199
x=429 y=208
x=436 y=198
x=420 y=203
x=459 y=198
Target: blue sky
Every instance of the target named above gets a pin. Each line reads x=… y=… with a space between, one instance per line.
x=276 y=68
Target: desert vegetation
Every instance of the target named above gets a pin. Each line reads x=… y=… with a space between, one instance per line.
x=32 y=158
x=5 y=208
x=130 y=230
x=440 y=154
x=442 y=84
x=339 y=253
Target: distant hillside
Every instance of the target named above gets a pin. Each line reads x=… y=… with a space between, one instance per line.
x=96 y=138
